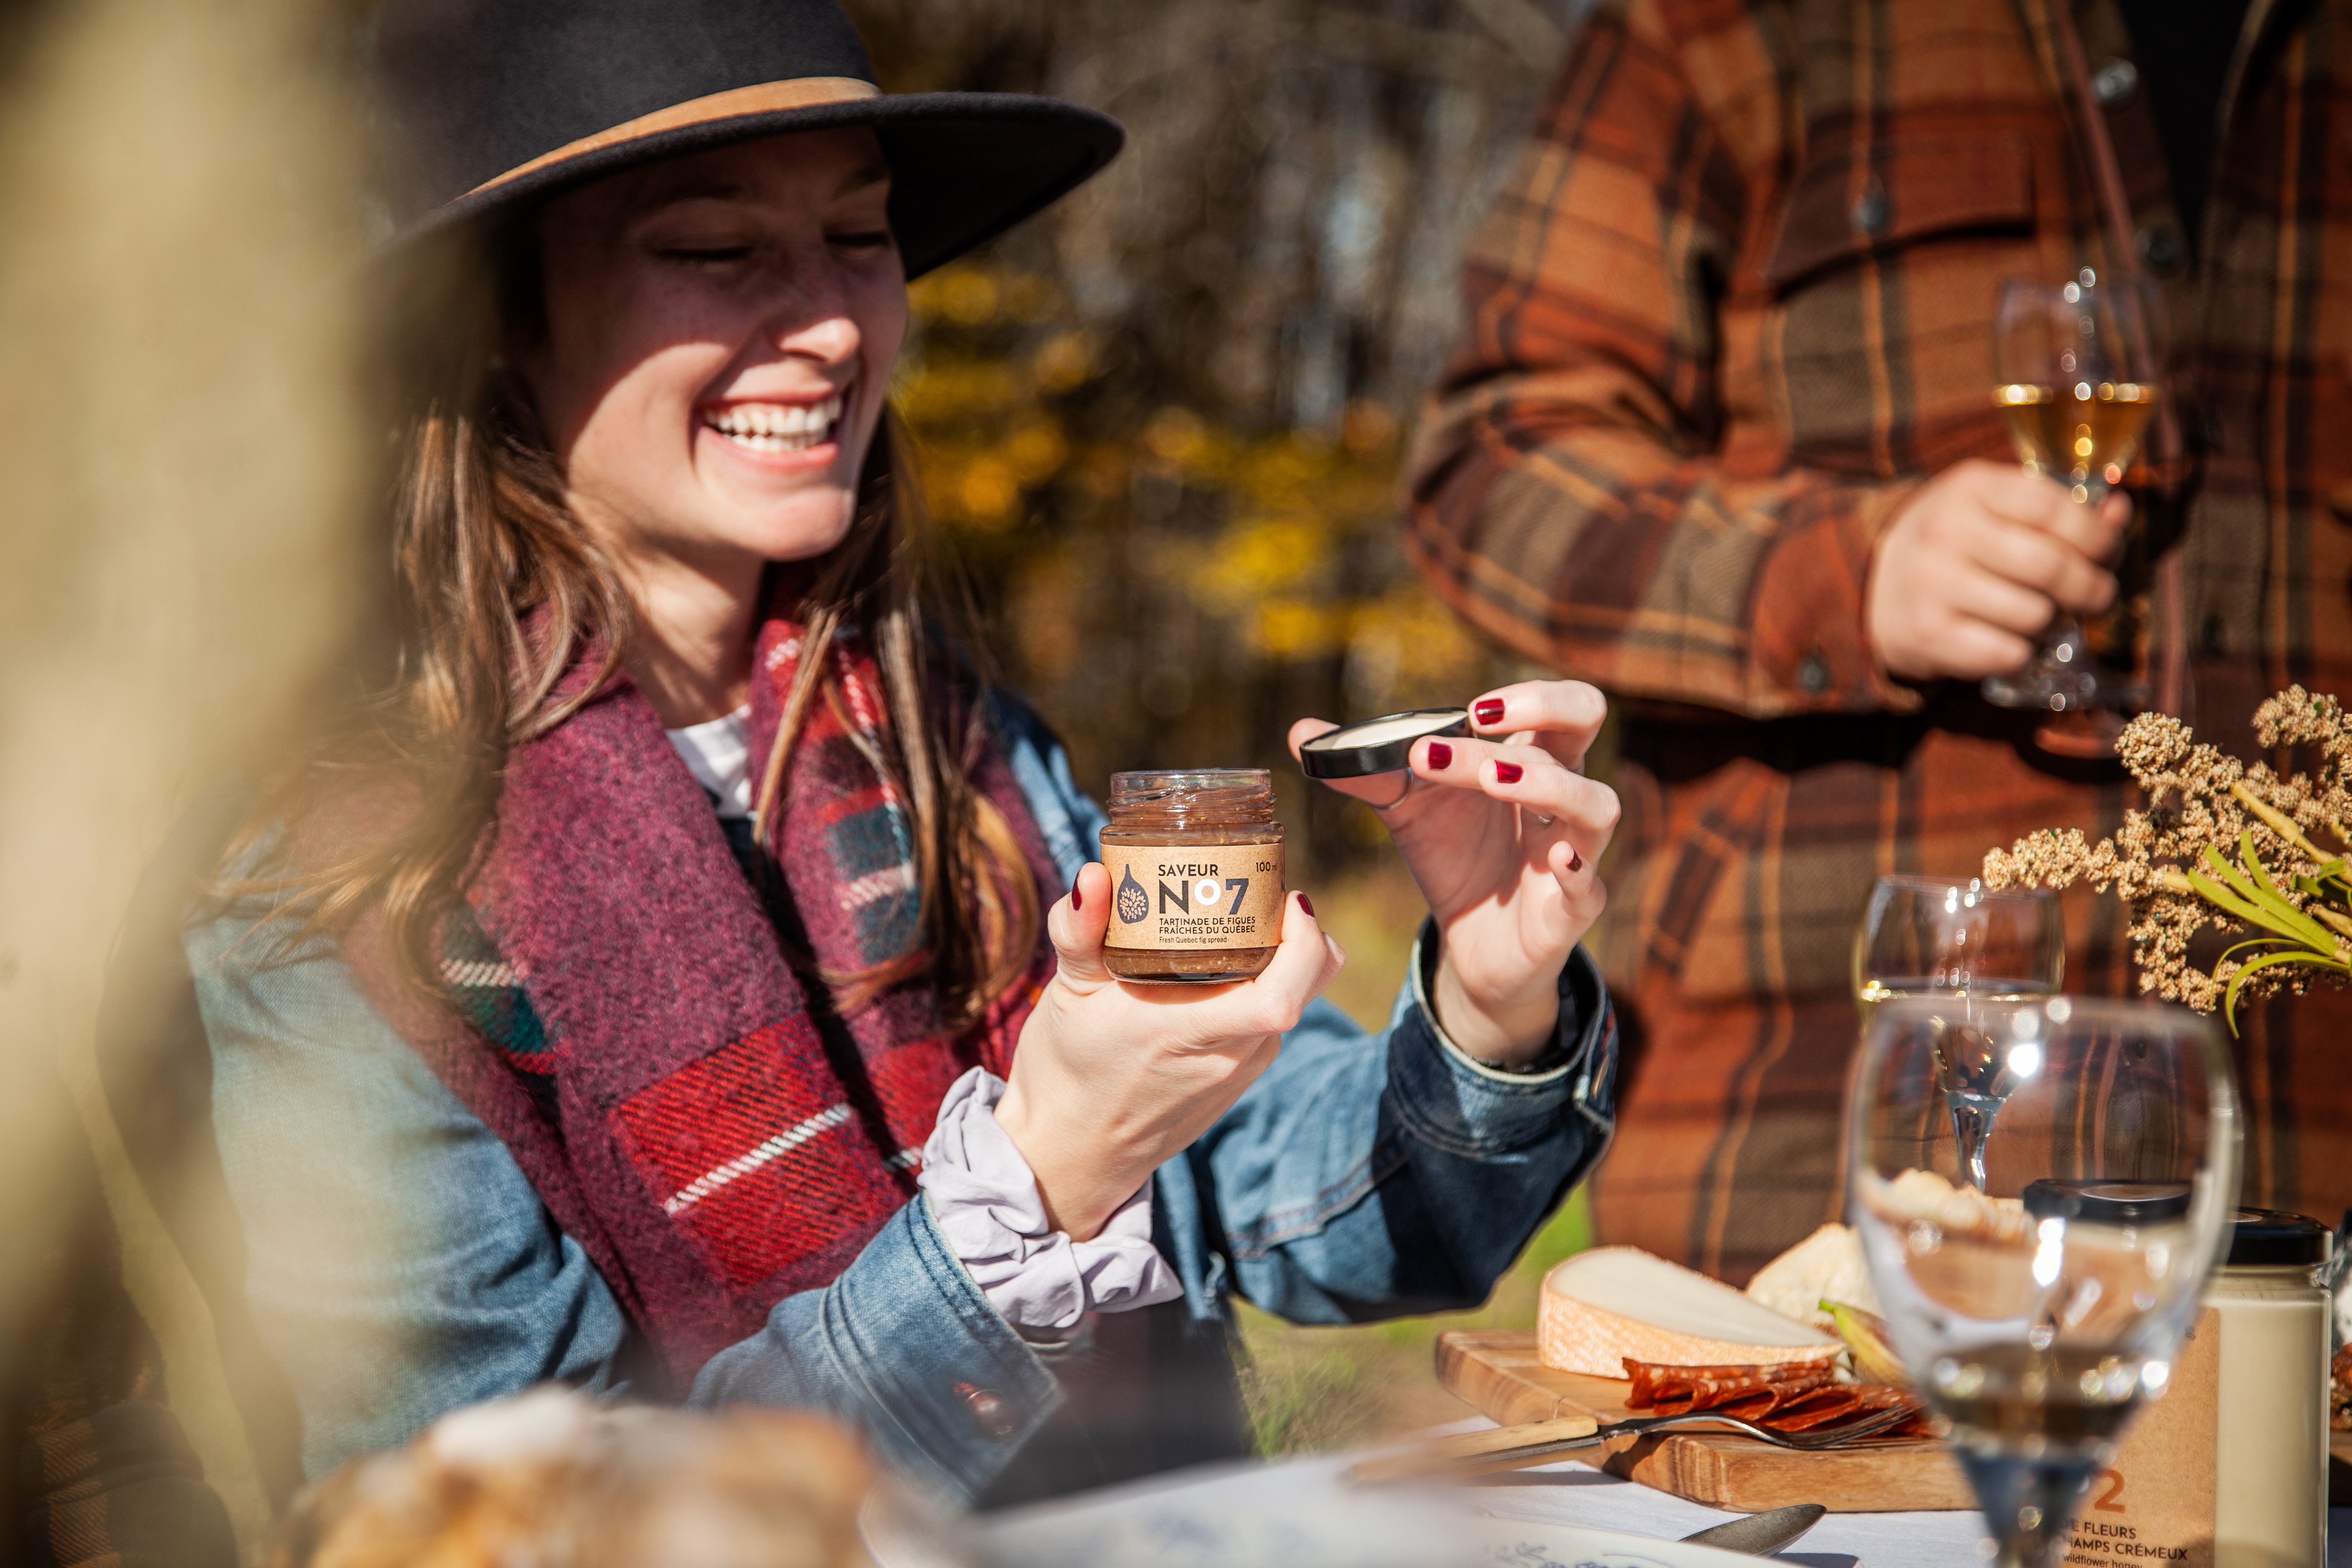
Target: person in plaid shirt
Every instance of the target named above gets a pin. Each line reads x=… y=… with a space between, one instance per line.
x=1720 y=440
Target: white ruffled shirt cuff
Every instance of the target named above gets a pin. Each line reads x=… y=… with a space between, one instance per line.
x=985 y=1203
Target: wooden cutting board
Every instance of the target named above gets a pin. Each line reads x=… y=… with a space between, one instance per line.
x=1500 y=1374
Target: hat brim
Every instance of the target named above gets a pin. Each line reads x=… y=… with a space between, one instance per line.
x=964 y=166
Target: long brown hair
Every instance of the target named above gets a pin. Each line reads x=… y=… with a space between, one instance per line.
x=502 y=593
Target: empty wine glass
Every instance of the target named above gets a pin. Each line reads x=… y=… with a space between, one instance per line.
x=2039 y=1310
x=1936 y=936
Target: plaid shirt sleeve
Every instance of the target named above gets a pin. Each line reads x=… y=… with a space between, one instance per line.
x=1586 y=487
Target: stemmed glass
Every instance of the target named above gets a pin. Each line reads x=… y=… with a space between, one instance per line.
x=2038 y=1309
x=1933 y=936
x=2077 y=376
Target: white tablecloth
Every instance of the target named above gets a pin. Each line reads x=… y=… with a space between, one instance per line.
x=1579 y=1494
x=1168 y=1522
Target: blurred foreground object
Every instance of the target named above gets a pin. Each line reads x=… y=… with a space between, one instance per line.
x=554 y=1480
x=179 y=428
x=98 y=1471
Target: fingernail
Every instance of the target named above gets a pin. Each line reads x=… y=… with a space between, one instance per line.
x=1575 y=861
x=1490 y=711
x=1308 y=904
x=1441 y=755
x=1078 y=899
x=1509 y=773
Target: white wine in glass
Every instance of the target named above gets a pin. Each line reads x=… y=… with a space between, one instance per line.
x=2077 y=378
x=1937 y=936
x=2040 y=1308
x=2080 y=435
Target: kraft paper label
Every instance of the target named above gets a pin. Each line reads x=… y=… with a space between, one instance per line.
x=2155 y=1501
x=1172 y=897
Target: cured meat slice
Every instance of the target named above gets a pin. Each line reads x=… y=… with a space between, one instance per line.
x=1750 y=1392
x=1786 y=1396
x=1716 y=1383
x=1818 y=1408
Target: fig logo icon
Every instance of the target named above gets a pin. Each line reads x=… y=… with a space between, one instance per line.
x=1134 y=903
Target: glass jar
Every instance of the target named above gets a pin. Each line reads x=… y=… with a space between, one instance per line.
x=1195 y=864
x=2271 y=1433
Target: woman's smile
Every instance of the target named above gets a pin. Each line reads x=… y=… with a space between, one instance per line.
x=778 y=427
x=778 y=435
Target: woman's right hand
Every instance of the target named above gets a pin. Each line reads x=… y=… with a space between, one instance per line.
x=1111 y=1080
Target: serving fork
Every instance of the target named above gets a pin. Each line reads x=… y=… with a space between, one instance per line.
x=1516 y=1447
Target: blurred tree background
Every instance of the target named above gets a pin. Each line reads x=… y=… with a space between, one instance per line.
x=1161 y=427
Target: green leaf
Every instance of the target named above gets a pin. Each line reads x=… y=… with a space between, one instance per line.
x=2231 y=902
x=2252 y=862
x=2275 y=912
x=2278 y=902
x=2246 y=971
x=2256 y=941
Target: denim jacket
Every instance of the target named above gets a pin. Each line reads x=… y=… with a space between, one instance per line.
x=401 y=1264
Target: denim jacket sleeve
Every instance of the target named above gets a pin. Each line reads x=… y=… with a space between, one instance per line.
x=401 y=1264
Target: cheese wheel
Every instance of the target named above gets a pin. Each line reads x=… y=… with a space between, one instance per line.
x=1603 y=1305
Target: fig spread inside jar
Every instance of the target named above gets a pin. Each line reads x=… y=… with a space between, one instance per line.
x=1195 y=864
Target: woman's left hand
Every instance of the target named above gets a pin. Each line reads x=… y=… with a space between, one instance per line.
x=1502 y=831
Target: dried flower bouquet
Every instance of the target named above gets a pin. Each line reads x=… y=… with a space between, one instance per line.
x=2221 y=843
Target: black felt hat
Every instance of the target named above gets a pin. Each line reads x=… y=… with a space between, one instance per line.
x=486 y=106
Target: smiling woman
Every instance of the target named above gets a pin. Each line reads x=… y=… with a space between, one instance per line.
x=667 y=986
x=716 y=337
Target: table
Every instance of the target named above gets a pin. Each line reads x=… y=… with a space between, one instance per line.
x=1251 y=1504
x=1576 y=1493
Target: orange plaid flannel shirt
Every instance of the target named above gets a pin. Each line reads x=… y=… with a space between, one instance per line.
x=1733 y=307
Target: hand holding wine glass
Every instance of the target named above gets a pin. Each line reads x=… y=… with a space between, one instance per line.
x=2076 y=373
x=1970 y=572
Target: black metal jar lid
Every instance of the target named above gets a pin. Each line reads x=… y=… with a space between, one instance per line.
x=2268 y=1238
x=1379 y=745
x=2108 y=1203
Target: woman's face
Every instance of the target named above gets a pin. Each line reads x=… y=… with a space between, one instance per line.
x=719 y=331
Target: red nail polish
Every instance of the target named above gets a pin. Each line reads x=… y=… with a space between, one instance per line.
x=1490 y=711
x=1575 y=861
x=1307 y=903
x=1441 y=755
x=1509 y=773
x=1078 y=899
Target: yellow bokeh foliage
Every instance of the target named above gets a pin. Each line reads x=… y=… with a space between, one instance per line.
x=1280 y=545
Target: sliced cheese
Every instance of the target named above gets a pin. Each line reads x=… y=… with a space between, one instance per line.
x=1604 y=1305
x=1825 y=1266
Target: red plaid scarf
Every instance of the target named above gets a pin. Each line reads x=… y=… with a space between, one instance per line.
x=714 y=1134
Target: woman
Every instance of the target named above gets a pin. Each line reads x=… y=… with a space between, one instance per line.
x=704 y=894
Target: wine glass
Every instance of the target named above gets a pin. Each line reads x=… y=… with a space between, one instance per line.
x=1933 y=936
x=2077 y=377
x=2037 y=1311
